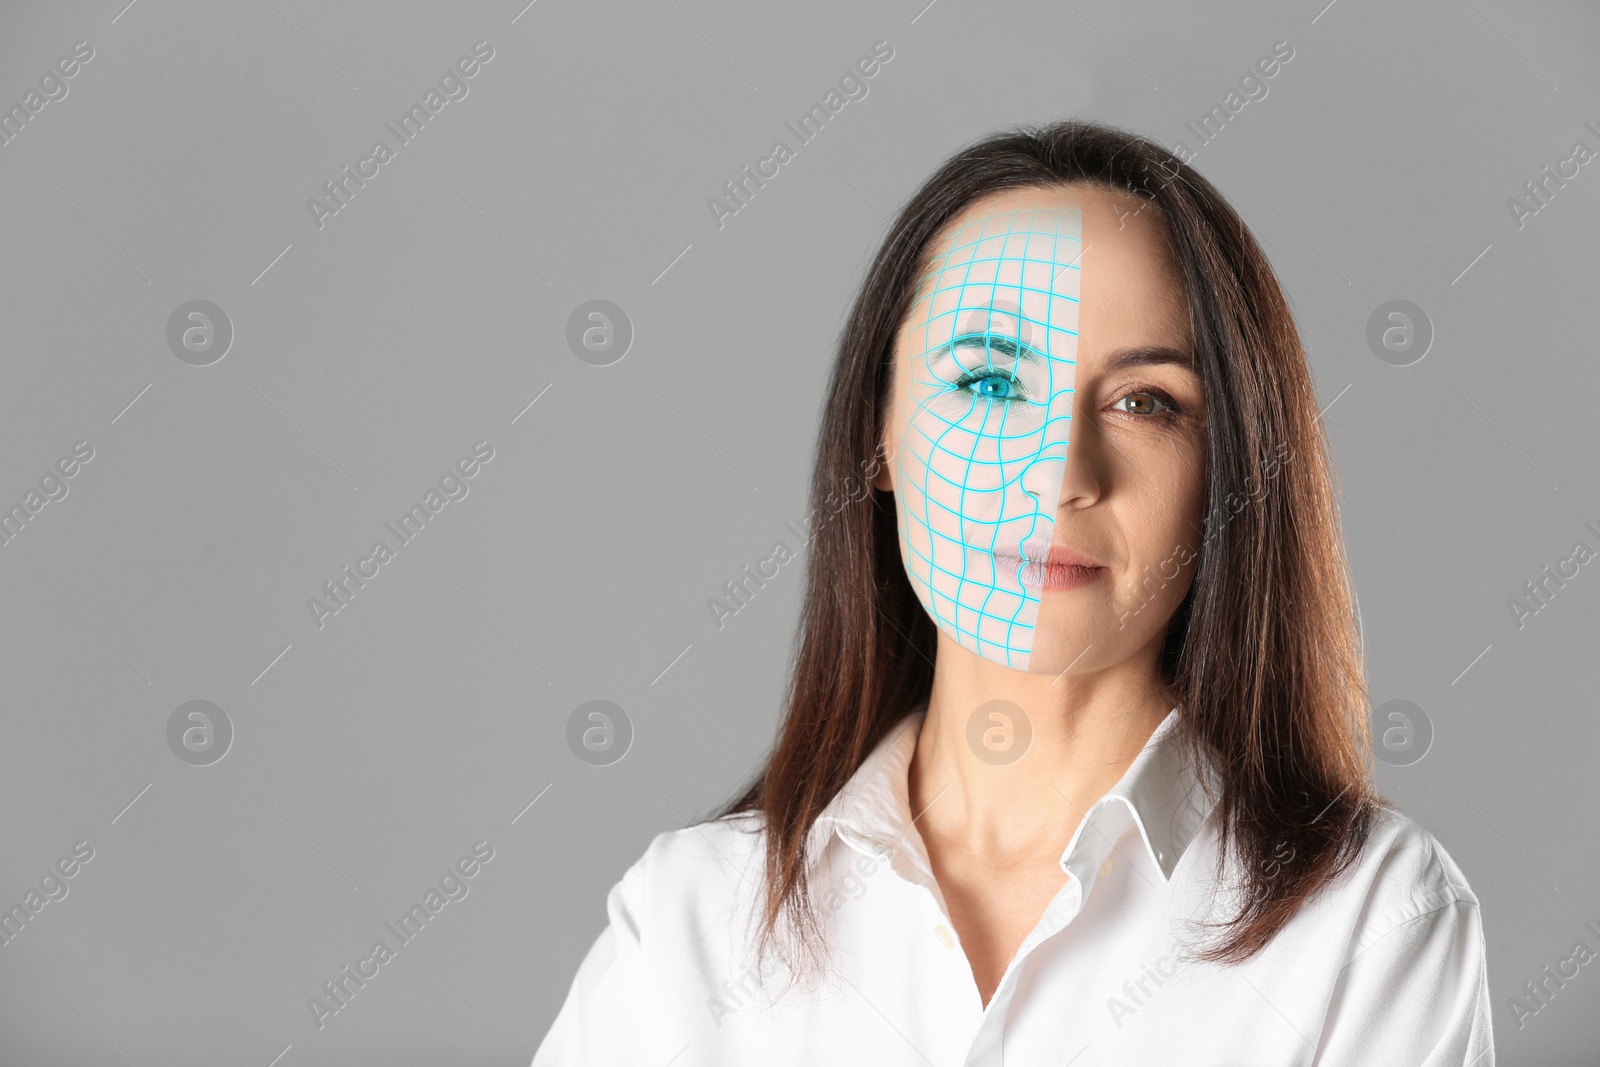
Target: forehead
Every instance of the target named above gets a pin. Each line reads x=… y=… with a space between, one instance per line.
x=1009 y=264
x=1014 y=237
x=1056 y=261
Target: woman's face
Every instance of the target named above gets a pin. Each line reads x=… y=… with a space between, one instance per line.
x=1043 y=406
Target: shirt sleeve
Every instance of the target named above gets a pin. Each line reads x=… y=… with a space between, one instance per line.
x=1417 y=995
x=599 y=1020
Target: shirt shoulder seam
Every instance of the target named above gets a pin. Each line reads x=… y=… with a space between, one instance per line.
x=1418 y=908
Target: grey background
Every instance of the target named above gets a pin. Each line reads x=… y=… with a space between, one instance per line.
x=427 y=314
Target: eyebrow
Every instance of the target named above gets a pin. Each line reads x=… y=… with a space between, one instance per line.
x=1149 y=356
x=1019 y=351
x=1121 y=359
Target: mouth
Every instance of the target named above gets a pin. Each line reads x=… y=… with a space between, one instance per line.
x=1041 y=566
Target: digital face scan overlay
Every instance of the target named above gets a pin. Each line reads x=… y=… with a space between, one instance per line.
x=981 y=457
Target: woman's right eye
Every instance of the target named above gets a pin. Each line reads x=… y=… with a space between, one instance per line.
x=991 y=382
x=991 y=385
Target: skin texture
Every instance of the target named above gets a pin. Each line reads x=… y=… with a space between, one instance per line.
x=986 y=375
x=1122 y=484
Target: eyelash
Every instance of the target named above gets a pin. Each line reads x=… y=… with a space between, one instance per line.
x=973 y=376
x=1173 y=411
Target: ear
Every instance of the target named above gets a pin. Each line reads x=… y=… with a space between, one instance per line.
x=883 y=480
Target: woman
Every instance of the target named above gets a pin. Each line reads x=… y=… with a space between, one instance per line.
x=1074 y=766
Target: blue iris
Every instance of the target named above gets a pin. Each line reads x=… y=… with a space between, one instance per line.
x=991 y=385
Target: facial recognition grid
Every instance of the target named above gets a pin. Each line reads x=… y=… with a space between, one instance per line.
x=993 y=346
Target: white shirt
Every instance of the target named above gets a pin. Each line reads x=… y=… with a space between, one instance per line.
x=1385 y=967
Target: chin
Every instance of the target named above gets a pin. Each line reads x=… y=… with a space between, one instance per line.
x=1058 y=647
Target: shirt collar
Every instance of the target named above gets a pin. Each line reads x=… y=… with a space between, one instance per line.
x=1161 y=792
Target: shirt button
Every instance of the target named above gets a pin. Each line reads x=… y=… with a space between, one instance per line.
x=945 y=936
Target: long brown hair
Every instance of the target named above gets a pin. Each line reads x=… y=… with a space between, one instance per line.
x=1263 y=655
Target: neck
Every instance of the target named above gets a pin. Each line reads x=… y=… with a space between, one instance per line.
x=976 y=797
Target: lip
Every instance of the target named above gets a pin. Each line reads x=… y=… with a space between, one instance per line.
x=1051 y=566
x=1055 y=555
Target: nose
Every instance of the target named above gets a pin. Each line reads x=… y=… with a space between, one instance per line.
x=1080 y=481
x=1042 y=477
x=1063 y=472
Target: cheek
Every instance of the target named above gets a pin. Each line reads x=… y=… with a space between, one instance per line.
x=961 y=463
x=1163 y=514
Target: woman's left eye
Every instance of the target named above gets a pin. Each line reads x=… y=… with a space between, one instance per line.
x=1150 y=402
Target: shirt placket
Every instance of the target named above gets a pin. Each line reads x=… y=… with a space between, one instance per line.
x=909 y=863
x=1082 y=866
